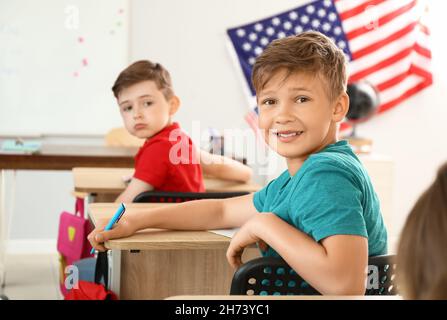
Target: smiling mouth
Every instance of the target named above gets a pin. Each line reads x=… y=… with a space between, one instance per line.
x=287 y=134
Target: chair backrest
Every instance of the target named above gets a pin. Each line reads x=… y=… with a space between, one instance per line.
x=273 y=276
x=173 y=197
x=381 y=275
x=269 y=276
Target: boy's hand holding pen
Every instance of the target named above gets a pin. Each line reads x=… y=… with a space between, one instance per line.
x=100 y=234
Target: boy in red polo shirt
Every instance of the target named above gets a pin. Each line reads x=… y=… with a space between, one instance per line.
x=156 y=164
x=168 y=160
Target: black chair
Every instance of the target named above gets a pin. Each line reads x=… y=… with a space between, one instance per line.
x=174 y=197
x=381 y=276
x=273 y=276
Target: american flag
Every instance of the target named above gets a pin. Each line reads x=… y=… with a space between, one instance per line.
x=385 y=42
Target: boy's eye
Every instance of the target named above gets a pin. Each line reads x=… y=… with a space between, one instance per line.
x=127 y=108
x=147 y=103
x=268 y=102
x=302 y=99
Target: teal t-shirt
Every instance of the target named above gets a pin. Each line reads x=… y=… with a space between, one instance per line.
x=330 y=194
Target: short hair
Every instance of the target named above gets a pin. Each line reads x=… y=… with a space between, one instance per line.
x=421 y=271
x=144 y=70
x=309 y=52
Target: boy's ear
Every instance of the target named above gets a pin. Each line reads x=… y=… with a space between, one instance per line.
x=341 y=107
x=174 y=104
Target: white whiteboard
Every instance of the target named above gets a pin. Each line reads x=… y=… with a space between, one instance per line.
x=58 y=62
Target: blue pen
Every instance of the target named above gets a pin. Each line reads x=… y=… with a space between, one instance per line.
x=116 y=217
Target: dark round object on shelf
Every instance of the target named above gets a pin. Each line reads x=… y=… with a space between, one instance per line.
x=363 y=101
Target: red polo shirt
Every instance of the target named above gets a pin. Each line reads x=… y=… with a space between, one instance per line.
x=167 y=161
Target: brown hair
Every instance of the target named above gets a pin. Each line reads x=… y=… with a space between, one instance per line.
x=422 y=253
x=144 y=70
x=310 y=52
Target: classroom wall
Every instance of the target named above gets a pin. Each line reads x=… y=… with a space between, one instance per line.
x=190 y=42
x=60 y=58
x=414 y=133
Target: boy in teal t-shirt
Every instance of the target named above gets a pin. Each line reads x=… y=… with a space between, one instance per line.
x=321 y=215
x=331 y=194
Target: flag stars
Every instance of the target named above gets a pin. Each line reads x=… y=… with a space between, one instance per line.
x=287 y=25
x=240 y=33
x=298 y=29
x=304 y=19
x=276 y=21
x=281 y=35
x=310 y=9
x=264 y=41
x=253 y=36
x=293 y=15
x=321 y=13
x=332 y=16
x=246 y=46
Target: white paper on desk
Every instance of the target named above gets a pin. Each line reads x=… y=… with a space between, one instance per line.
x=229 y=233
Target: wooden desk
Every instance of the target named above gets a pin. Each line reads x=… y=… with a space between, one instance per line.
x=156 y=264
x=65 y=157
x=54 y=157
x=110 y=181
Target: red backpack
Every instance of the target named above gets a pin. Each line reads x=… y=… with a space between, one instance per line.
x=94 y=290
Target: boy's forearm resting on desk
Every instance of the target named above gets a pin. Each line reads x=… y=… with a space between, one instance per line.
x=336 y=265
x=197 y=215
x=192 y=215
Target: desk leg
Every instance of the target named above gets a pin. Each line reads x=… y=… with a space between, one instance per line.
x=3 y=228
x=114 y=258
x=5 y=222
